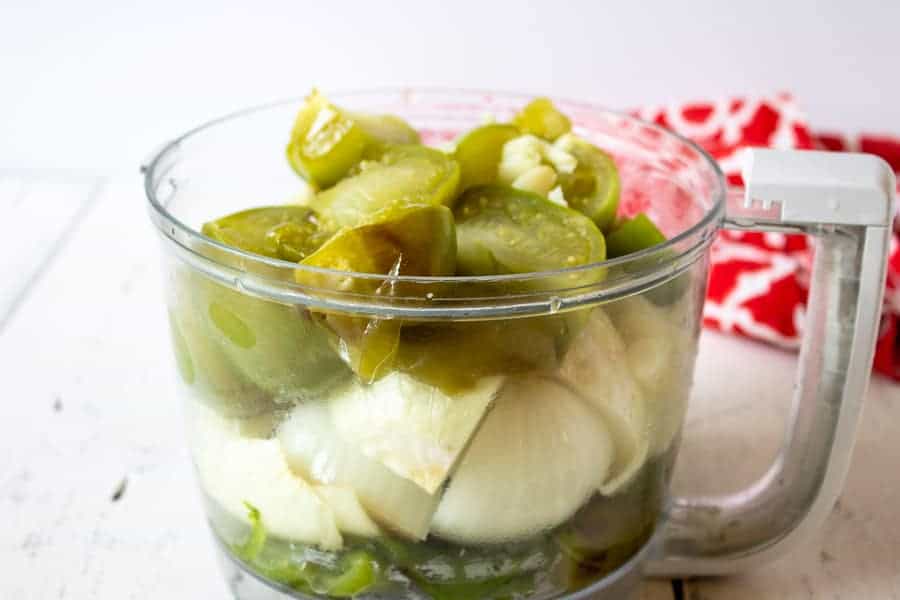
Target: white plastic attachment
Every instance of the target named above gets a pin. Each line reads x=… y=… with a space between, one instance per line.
x=845 y=202
x=820 y=187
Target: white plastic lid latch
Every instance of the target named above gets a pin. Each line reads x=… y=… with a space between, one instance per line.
x=820 y=187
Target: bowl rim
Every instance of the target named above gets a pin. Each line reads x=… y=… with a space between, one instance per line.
x=669 y=258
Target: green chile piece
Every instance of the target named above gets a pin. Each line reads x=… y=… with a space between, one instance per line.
x=325 y=142
x=541 y=118
x=288 y=232
x=593 y=188
x=360 y=571
x=478 y=153
x=352 y=574
x=505 y=230
x=403 y=176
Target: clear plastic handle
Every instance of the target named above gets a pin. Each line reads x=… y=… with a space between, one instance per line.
x=845 y=201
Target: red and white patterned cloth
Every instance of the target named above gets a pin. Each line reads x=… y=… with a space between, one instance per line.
x=758 y=283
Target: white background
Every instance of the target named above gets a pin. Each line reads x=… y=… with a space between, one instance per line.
x=98 y=84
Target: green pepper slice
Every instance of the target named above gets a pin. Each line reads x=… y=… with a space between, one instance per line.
x=325 y=142
x=541 y=118
x=354 y=572
x=478 y=153
x=593 y=188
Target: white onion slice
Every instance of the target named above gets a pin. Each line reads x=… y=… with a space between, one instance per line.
x=316 y=450
x=539 y=455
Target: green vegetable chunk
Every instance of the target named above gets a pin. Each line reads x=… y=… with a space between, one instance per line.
x=403 y=176
x=478 y=153
x=505 y=230
x=249 y=550
x=276 y=347
x=359 y=573
x=593 y=188
x=541 y=118
x=325 y=142
x=455 y=356
x=288 y=232
x=417 y=240
x=639 y=233
x=386 y=129
x=633 y=235
x=410 y=240
x=354 y=573
x=203 y=364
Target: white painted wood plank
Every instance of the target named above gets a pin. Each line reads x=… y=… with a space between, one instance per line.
x=37 y=211
x=734 y=427
x=86 y=404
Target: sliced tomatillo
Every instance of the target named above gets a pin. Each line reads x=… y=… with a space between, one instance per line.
x=505 y=230
x=403 y=176
x=386 y=129
x=456 y=356
x=277 y=347
x=411 y=240
x=639 y=233
x=265 y=345
x=633 y=235
x=417 y=240
x=288 y=232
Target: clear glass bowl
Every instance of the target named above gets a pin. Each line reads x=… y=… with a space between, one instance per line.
x=521 y=445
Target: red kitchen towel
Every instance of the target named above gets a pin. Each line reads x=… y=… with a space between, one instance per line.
x=759 y=283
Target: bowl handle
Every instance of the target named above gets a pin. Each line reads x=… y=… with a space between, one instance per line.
x=845 y=201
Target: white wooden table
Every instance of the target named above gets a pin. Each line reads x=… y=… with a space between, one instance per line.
x=96 y=495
